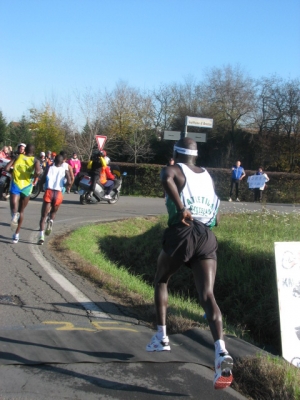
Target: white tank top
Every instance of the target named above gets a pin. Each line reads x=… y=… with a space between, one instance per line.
x=65 y=165
x=198 y=195
x=55 y=178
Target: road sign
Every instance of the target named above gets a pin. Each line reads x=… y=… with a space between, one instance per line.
x=172 y=135
x=287 y=257
x=176 y=135
x=100 y=141
x=199 y=122
x=198 y=137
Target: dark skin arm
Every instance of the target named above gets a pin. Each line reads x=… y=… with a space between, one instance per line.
x=10 y=165
x=37 y=169
x=173 y=181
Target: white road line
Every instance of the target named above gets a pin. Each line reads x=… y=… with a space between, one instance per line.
x=80 y=297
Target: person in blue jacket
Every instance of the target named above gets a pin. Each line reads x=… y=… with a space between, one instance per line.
x=237 y=174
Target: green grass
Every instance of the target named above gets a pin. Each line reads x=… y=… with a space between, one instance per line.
x=124 y=250
x=245 y=286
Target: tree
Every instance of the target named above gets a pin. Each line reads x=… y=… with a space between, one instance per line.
x=164 y=108
x=129 y=123
x=3 y=127
x=91 y=108
x=277 y=120
x=187 y=102
x=48 y=133
x=229 y=95
x=20 y=132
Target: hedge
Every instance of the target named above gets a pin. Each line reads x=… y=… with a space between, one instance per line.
x=143 y=180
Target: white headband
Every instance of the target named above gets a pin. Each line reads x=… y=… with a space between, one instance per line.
x=188 y=152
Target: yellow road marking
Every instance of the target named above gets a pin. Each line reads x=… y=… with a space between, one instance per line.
x=98 y=326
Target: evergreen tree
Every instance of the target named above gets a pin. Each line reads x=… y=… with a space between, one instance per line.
x=3 y=128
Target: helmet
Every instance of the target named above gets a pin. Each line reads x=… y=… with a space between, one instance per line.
x=107 y=160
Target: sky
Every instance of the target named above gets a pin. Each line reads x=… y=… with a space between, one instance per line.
x=50 y=49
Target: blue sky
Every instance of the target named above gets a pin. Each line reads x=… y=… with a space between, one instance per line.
x=51 y=48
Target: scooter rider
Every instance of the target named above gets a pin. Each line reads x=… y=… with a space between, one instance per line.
x=100 y=171
x=107 y=178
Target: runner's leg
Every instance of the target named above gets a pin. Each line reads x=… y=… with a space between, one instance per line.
x=44 y=212
x=22 y=205
x=204 y=272
x=166 y=267
x=14 y=202
x=53 y=212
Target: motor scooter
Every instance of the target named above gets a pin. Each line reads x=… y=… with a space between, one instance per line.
x=99 y=192
x=5 y=178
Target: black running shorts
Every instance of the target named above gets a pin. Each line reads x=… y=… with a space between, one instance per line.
x=189 y=243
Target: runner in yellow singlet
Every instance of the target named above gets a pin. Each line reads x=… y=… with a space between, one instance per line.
x=25 y=168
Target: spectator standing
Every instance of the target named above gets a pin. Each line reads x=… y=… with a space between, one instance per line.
x=258 y=192
x=43 y=161
x=76 y=166
x=48 y=157
x=237 y=174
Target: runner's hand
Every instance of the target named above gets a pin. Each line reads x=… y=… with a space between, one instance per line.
x=186 y=215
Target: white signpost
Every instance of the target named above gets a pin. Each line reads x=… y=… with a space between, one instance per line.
x=191 y=121
x=199 y=122
x=198 y=137
x=172 y=135
x=287 y=256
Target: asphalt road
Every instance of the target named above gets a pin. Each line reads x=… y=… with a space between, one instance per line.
x=63 y=338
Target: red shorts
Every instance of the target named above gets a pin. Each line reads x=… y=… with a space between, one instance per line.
x=55 y=197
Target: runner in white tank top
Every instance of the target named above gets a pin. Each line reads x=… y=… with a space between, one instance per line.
x=198 y=196
x=192 y=206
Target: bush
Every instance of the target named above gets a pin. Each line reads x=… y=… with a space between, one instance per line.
x=144 y=180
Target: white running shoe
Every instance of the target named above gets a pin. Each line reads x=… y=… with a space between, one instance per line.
x=230 y=199
x=49 y=227
x=16 y=237
x=41 y=239
x=107 y=196
x=14 y=221
x=158 y=345
x=223 y=371
x=237 y=199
